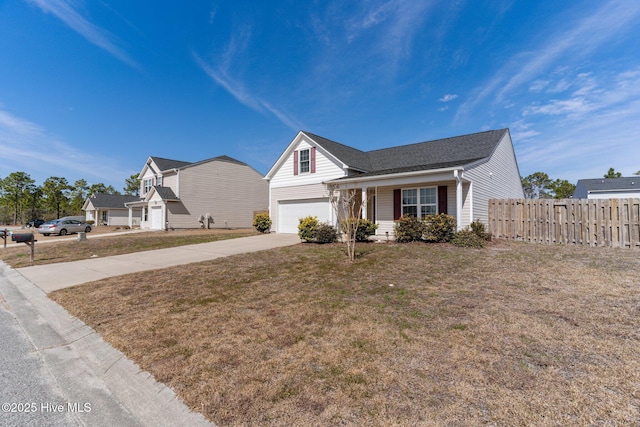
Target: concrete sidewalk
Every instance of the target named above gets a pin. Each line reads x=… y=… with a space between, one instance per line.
x=51 y=277
x=88 y=371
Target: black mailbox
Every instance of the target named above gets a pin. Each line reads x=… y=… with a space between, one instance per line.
x=22 y=237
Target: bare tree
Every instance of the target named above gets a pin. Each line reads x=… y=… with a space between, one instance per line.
x=347 y=202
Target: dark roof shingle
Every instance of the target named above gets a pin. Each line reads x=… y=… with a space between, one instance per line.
x=440 y=153
x=112 y=201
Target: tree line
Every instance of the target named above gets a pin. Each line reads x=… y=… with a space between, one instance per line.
x=538 y=185
x=21 y=200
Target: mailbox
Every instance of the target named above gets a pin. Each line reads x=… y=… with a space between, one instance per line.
x=22 y=237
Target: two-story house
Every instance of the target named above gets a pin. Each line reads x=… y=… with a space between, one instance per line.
x=216 y=193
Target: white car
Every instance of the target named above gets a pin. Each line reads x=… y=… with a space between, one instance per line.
x=63 y=227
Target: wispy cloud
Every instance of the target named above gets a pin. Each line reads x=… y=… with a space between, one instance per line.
x=580 y=39
x=448 y=97
x=66 y=11
x=243 y=95
x=19 y=138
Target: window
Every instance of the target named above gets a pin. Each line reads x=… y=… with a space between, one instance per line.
x=159 y=181
x=148 y=183
x=419 y=202
x=305 y=161
x=145 y=213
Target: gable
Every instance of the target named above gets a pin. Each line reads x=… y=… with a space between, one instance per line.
x=322 y=164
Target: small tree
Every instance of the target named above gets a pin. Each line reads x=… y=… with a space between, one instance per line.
x=611 y=173
x=347 y=204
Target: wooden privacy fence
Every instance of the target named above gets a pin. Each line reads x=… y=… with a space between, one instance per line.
x=606 y=222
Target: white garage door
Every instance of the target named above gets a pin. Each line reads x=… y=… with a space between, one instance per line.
x=290 y=211
x=156 y=217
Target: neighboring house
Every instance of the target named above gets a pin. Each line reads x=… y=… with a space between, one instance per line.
x=110 y=209
x=216 y=193
x=608 y=188
x=455 y=175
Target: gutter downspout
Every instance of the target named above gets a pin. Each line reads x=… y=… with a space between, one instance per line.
x=458 y=176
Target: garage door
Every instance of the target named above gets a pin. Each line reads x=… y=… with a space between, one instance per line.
x=156 y=217
x=291 y=210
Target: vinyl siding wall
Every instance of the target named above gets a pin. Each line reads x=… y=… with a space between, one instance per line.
x=497 y=178
x=230 y=193
x=384 y=203
x=326 y=169
x=301 y=192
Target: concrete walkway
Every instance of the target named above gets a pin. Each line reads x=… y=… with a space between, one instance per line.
x=98 y=385
x=52 y=277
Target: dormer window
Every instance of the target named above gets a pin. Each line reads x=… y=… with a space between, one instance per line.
x=305 y=161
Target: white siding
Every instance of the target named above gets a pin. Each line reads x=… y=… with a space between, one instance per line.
x=326 y=168
x=385 y=208
x=302 y=192
x=614 y=195
x=497 y=178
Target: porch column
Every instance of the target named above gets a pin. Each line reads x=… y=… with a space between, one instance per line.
x=458 y=175
x=130 y=216
x=364 y=203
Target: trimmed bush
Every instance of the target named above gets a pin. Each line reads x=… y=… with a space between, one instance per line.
x=467 y=238
x=439 y=227
x=262 y=223
x=307 y=228
x=326 y=233
x=365 y=229
x=408 y=229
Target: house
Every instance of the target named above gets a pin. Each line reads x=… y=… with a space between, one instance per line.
x=215 y=193
x=110 y=209
x=455 y=175
x=608 y=188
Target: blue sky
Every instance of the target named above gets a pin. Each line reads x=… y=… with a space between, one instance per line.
x=90 y=89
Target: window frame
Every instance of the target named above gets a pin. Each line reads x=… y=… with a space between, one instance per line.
x=147 y=184
x=302 y=163
x=419 y=202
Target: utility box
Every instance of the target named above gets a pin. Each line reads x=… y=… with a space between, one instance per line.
x=22 y=237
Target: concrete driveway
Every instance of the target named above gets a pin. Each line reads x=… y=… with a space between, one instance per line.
x=84 y=378
x=52 y=277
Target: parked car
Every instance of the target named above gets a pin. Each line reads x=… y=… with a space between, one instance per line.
x=35 y=223
x=63 y=227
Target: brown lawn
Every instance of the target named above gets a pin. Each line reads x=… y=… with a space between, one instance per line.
x=412 y=334
x=68 y=248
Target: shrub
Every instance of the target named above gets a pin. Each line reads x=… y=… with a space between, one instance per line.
x=480 y=230
x=307 y=228
x=365 y=229
x=467 y=238
x=439 y=227
x=262 y=222
x=90 y=222
x=326 y=233
x=408 y=229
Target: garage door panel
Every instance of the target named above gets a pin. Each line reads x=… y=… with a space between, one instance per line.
x=290 y=211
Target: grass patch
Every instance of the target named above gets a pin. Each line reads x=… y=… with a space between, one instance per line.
x=512 y=334
x=73 y=250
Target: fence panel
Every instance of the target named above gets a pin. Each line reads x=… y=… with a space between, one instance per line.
x=606 y=222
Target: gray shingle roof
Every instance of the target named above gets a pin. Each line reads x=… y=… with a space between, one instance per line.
x=166 y=164
x=441 y=153
x=111 y=201
x=165 y=193
x=611 y=184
